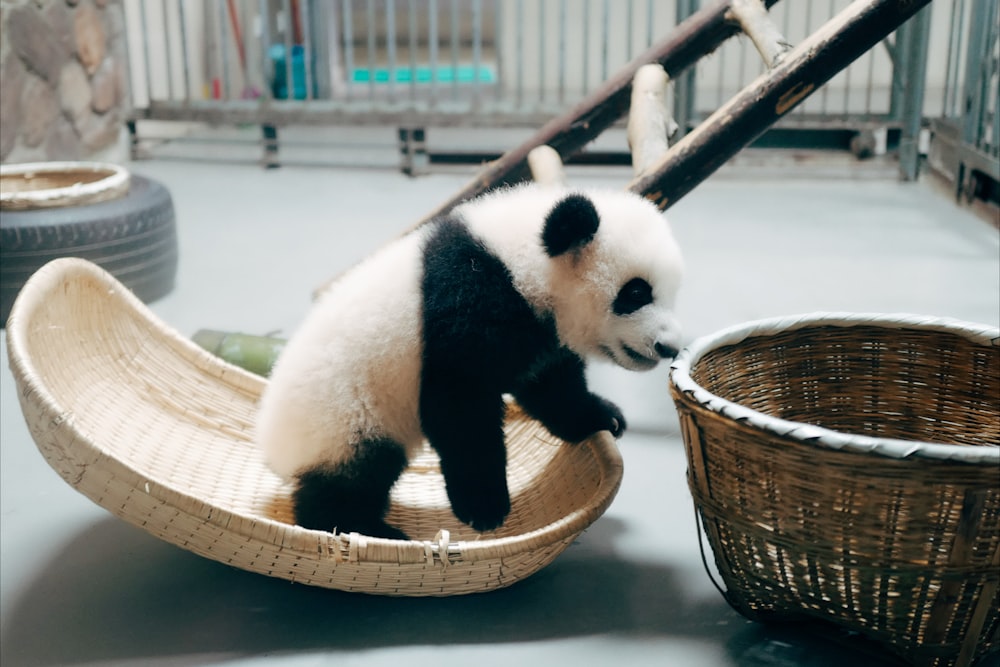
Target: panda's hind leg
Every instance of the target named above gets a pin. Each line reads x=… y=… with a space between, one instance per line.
x=353 y=495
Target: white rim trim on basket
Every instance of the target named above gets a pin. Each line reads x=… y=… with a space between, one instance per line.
x=114 y=183
x=680 y=376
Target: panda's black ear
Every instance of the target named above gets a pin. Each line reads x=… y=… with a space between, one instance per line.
x=570 y=225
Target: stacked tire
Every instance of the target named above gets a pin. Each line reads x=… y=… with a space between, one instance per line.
x=130 y=231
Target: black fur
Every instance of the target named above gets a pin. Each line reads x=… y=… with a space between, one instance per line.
x=570 y=225
x=635 y=294
x=353 y=496
x=481 y=340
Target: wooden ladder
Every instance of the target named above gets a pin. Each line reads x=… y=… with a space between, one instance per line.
x=665 y=174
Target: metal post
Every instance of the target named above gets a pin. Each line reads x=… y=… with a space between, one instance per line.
x=270 y=136
x=182 y=21
x=413 y=150
x=684 y=85
x=917 y=36
x=972 y=101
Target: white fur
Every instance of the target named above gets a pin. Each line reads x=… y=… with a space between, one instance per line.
x=352 y=371
x=633 y=240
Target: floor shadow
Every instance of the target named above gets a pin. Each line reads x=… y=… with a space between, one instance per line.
x=117 y=594
x=815 y=644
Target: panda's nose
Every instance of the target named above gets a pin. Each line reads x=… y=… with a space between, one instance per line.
x=665 y=351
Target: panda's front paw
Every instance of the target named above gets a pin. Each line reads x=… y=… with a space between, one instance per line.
x=484 y=506
x=611 y=416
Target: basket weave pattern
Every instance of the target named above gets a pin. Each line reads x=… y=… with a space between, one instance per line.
x=886 y=518
x=159 y=432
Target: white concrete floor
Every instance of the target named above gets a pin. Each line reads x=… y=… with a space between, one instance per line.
x=79 y=587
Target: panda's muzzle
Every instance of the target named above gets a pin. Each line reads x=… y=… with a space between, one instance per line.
x=640 y=359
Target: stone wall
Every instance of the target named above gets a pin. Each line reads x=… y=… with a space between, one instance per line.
x=63 y=80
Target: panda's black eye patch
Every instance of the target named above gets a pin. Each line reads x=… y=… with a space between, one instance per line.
x=634 y=295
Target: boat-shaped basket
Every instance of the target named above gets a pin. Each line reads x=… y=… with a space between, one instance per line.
x=159 y=432
x=846 y=467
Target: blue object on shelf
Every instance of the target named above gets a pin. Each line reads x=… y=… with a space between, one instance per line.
x=279 y=85
x=424 y=74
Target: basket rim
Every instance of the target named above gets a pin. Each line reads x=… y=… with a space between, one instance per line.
x=443 y=549
x=809 y=434
x=113 y=182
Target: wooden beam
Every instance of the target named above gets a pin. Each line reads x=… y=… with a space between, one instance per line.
x=802 y=71
x=700 y=34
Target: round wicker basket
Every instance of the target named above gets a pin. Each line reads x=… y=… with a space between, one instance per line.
x=36 y=185
x=159 y=432
x=847 y=467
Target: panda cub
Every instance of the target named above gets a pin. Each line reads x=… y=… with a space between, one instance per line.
x=505 y=295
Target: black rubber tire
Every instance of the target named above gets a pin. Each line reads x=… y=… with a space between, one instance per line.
x=133 y=237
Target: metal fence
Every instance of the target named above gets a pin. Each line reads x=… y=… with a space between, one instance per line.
x=967 y=129
x=427 y=63
x=466 y=61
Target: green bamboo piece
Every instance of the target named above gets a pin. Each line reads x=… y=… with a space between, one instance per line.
x=256 y=354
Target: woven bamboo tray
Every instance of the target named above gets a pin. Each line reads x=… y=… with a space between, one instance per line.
x=157 y=431
x=847 y=468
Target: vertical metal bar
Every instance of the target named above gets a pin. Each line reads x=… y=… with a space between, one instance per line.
x=223 y=48
x=585 y=52
x=562 y=53
x=900 y=55
x=629 y=25
x=145 y=51
x=265 y=47
x=684 y=85
x=519 y=55
x=825 y=92
x=871 y=81
x=499 y=36
x=307 y=48
x=720 y=92
x=541 y=51
x=847 y=77
x=974 y=102
x=913 y=103
x=744 y=58
x=184 y=52
x=289 y=70
x=649 y=23
x=167 y=55
x=801 y=111
x=951 y=64
x=390 y=45
x=786 y=23
x=432 y=43
x=412 y=29
x=370 y=25
x=477 y=49
x=992 y=79
x=347 y=19
x=605 y=35
x=129 y=124
x=456 y=28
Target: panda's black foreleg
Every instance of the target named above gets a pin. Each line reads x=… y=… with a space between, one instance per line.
x=558 y=397
x=352 y=496
x=466 y=429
